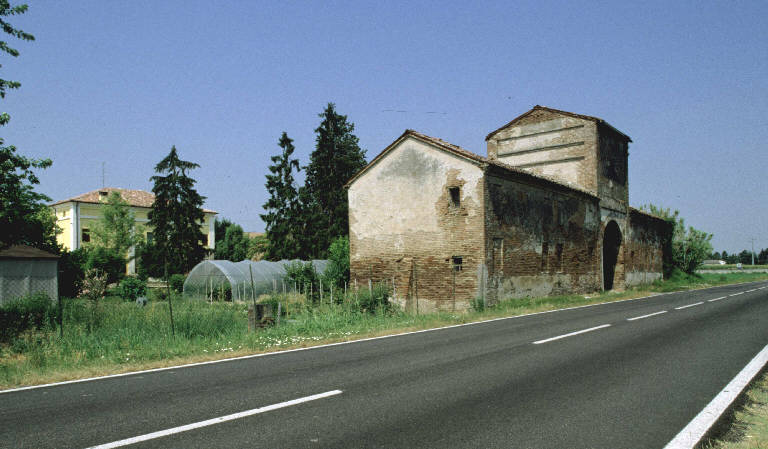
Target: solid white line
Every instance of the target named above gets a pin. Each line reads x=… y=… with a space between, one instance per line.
x=737 y=294
x=716 y=299
x=698 y=427
x=689 y=305
x=571 y=334
x=646 y=316
x=210 y=422
x=266 y=354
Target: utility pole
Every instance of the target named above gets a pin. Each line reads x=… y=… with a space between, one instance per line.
x=753 y=250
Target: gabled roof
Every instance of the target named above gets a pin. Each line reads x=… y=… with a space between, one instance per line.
x=467 y=155
x=558 y=111
x=25 y=252
x=137 y=198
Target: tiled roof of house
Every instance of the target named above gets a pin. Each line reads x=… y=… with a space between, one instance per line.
x=459 y=151
x=558 y=111
x=25 y=252
x=137 y=198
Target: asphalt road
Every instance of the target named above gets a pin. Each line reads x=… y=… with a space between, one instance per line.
x=505 y=383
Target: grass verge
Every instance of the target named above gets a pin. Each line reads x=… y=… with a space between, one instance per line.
x=118 y=337
x=749 y=429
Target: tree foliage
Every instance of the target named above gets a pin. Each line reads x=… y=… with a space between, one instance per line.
x=24 y=217
x=117 y=229
x=283 y=214
x=337 y=271
x=689 y=246
x=234 y=245
x=336 y=158
x=176 y=215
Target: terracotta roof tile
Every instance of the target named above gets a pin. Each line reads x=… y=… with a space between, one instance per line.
x=137 y=198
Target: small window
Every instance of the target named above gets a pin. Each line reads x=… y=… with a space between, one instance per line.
x=455 y=196
x=86 y=235
x=456 y=262
x=150 y=237
x=205 y=240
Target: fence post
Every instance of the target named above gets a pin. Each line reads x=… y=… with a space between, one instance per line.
x=321 y=291
x=170 y=306
x=253 y=291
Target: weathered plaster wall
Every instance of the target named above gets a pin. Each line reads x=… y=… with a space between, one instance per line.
x=644 y=249
x=404 y=227
x=557 y=146
x=540 y=240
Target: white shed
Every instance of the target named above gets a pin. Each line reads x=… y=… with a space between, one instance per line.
x=25 y=270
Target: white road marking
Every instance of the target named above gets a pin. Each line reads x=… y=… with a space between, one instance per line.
x=737 y=294
x=219 y=420
x=571 y=334
x=698 y=427
x=716 y=299
x=689 y=305
x=749 y=291
x=646 y=316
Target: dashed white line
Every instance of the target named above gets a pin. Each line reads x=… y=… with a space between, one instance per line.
x=749 y=291
x=210 y=422
x=716 y=299
x=646 y=316
x=737 y=294
x=689 y=305
x=571 y=334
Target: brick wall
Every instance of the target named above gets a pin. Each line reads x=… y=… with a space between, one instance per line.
x=644 y=250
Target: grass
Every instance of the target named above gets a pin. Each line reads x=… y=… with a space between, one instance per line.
x=731 y=267
x=118 y=336
x=750 y=425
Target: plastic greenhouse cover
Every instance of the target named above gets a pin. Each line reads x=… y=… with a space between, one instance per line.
x=210 y=276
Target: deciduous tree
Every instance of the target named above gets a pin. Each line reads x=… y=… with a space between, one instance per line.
x=116 y=230
x=689 y=246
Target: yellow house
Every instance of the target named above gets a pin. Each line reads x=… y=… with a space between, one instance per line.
x=77 y=215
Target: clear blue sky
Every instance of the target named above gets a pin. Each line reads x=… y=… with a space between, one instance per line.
x=120 y=82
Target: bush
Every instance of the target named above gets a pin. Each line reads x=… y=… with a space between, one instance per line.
x=132 y=287
x=72 y=271
x=19 y=315
x=177 y=282
x=304 y=275
x=107 y=261
x=337 y=271
x=375 y=299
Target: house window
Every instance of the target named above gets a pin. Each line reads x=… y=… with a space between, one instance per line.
x=205 y=240
x=150 y=238
x=457 y=263
x=455 y=196
x=86 y=235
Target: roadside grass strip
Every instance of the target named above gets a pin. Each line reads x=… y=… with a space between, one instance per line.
x=689 y=305
x=583 y=331
x=646 y=316
x=691 y=434
x=213 y=421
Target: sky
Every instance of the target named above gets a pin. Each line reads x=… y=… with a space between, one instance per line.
x=115 y=84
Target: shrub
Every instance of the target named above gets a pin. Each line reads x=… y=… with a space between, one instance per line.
x=337 y=271
x=72 y=271
x=107 y=261
x=132 y=287
x=375 y=299
x=33 y=311
x=304 y=275
x=177 y=282
x=94 y=285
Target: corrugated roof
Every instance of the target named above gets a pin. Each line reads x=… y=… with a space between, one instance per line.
x=25 y=252
x=558 y=111
x=137 y=198
x=461 y=152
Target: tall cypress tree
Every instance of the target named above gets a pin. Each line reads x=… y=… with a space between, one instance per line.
x=337 y=157
x=282 y=217
x=177 y=214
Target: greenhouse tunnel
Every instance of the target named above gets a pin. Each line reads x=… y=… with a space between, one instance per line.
x=213 y=278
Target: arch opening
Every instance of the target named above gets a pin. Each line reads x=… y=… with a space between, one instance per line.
x=611 y=245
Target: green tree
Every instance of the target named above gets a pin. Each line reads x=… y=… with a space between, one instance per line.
x=24 y=217
x=176 y=214
x=689 y=246
x=336 y=158
x=220 y=229
x=117 y=229
x=283 y=214
x=337 y=271
x=762 y=258
x=234 y=245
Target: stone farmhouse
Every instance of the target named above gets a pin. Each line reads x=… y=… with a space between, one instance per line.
x=545 y=213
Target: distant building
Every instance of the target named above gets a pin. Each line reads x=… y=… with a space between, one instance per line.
x=545 y=213
x=77 y=215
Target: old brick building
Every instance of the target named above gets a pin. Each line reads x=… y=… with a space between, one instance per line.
x=545 y=213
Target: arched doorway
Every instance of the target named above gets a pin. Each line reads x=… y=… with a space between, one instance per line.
x=611 y=245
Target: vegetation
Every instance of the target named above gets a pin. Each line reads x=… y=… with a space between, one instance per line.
x=336 y=158
x=337 y=272
x=282 y=216
x=689 y=246
x=175 y=217
x=116 y=230
x=24 y=216
x=234 y=245
x=745 y=257
x=750 y=425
